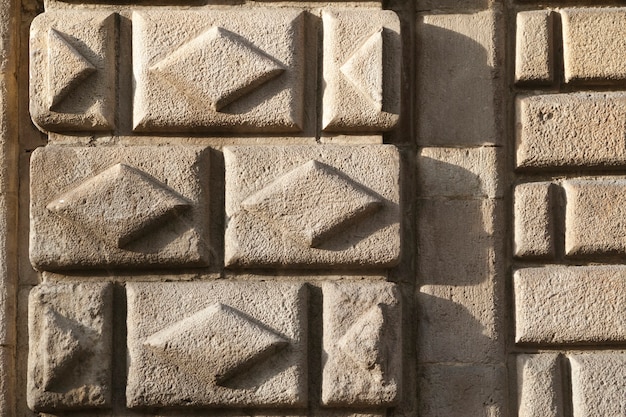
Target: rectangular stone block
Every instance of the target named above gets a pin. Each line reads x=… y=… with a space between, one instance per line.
x=120 y=207
x=598 y=381
x=534 y=47
x=217 y=344
x=362 y=70
x=362 y=349
x=595 y=216
x=593 y=44
x=70 y=346
x=570 y=305
x=534 y=220
x=312 y=206
x=571 y=130
x=218 y=70
x=73 y=62
x=539 y=387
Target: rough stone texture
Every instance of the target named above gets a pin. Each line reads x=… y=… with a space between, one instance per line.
x=69 y=360
x=362 y=344
x=362 y=73
x=238 y=344
x=593 y=43
x=119 y=207
x=252 y=66
x=458 y=84
x=73 y=70
x=312 y=206
x=534 y=220
x=598 y=381
x=570 y=305
x=539 y=386
x=534 y=47
x=571 y=130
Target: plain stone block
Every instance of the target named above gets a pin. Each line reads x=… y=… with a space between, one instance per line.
x=598 y=381
x=534 y=220
x=73 y=62
x=594 y=41
x=570 y=305
x=571 y=130
x=362 y=349
x=312 y=206
x=539 y=387
x=218 y=70
x=217 y=344
x=534 y=47
x=120 y=207
x=70 y=346
x=362 y=70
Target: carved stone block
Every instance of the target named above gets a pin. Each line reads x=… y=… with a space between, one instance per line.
x=217 y=344
x=236 y=71
x=73 y=70
x=534 y=47
x=539 y=385
x=312 y=206
x=69 y=360
x=119 y=207
x=534 y=220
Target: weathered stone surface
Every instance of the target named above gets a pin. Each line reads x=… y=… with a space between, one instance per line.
x=593 y=43
x=539 y=387
x=73 y=70
x=70 y=352
x=239 y=344
x=218 y=70
x=362 y=76
x=598 y=381
x=534 y=47
x=570 y=305
x=119 y=207
x=571 y=130
x=362 y=344
x=534 y=220
x=312 y=206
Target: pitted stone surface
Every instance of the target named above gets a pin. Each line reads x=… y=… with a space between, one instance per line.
x=534 y=47
x=114 y=209
x=310 y=206
x=240 y=344
x=69 y=363
x=539 y=386
x=534 y=219
x=362 y=344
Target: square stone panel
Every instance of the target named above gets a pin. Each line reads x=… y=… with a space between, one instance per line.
x=218 y=70
x=217 y=344
x=312 y=206
x=121 y=207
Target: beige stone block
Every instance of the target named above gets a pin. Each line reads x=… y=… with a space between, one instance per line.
x=595 y=216
x=218 y=70
x=534 y=220
x=458 y=79
x=312 y=206
x=594 y=41
x=598 y=381
x=534 y=47
x=571 y=130
x=119 y=207
x=570 y=305
x=362 y=349
x=539 y=387
x=7 y=380
x=362 y=70
x=73 y=70
x=217 y=344
x=70 y=346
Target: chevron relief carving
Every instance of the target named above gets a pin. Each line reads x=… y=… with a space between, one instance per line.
x=364 y=69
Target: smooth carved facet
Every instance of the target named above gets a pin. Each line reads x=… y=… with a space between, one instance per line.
x=67 y=68
x=312 y=202
x=364 y=69
x=216 y=343
x=217 y=55
x=119 y=205
x=362 y=341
